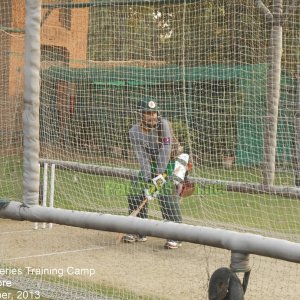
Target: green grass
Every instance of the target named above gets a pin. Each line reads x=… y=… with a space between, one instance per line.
x=11 y=178
x=88 y=192
x=251 y=175
x=263 y=212
x=258 y=211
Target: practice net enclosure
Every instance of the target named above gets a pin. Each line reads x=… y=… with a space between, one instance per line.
x=208 y=65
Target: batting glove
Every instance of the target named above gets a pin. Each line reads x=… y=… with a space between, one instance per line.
x=159 y=181
x=150 y=196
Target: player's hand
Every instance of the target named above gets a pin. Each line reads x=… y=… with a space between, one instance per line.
x=179 y=188
x=150 y=195
x=159 y=181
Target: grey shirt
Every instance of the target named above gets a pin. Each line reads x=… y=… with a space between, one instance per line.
x=150 y=147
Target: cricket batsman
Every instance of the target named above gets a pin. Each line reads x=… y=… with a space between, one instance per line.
x=151 y=139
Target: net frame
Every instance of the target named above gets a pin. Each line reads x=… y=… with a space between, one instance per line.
x=31 y=195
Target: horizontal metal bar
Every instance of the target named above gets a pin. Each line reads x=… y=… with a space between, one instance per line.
x=116 y=3
x=230 y=186
x=219 y=238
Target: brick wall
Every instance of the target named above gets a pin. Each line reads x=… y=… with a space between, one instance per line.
x=55 y=32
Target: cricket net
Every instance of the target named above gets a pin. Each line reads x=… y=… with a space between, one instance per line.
x=213 y=69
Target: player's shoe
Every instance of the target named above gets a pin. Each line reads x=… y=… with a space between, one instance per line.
x=132 y=238
x=171 y=244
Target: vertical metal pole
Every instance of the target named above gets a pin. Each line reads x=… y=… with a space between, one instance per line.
x=52 y=181
x=45 y=189
x=273 y=95
x=31 y=170
x=297 y=134
x=36 y=224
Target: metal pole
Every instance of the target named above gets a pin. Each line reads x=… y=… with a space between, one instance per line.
x=31 y=143
x=225 y=239
x=52 y=182
x=297 y=134
x=273 y=95
x=104 y=3
x=45 y=189
x=130 y=174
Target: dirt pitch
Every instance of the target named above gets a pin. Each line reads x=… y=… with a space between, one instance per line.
x=143 y=269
